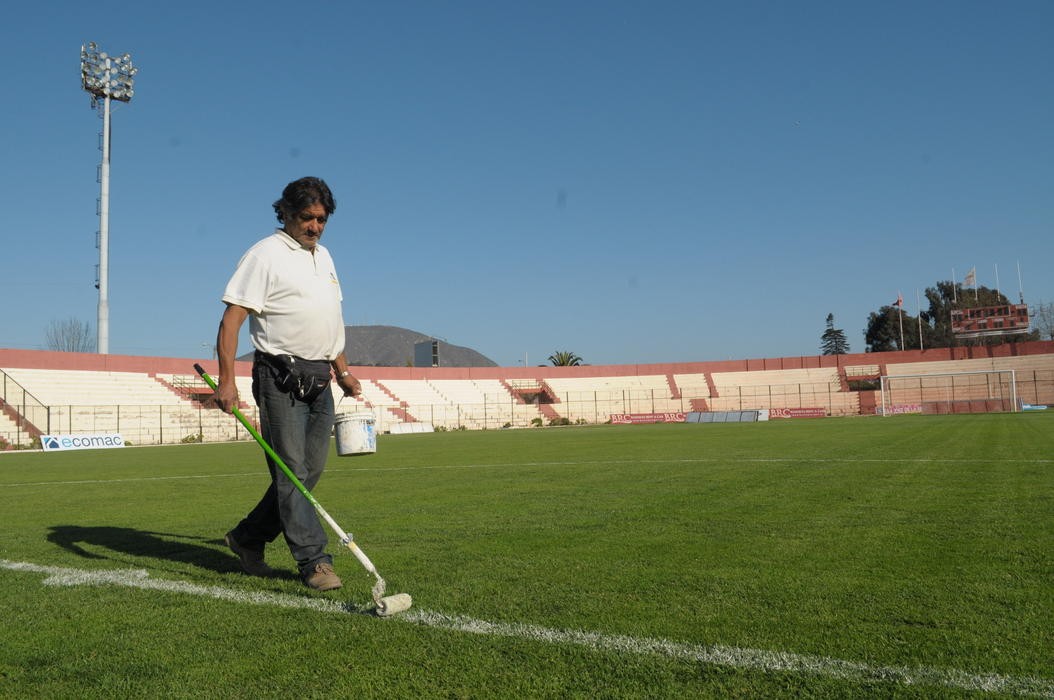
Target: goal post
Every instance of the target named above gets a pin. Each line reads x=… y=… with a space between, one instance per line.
x=950 y=392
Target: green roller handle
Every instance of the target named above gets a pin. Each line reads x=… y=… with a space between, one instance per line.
x=345 y=538
x=259 y=439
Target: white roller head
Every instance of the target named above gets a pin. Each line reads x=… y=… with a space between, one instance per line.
x=394 y=604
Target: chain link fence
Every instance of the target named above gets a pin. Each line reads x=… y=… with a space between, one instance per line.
x=23 y=418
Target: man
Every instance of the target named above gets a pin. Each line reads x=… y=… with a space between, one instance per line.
x=286 y=285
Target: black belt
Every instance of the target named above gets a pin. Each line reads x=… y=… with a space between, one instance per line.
x=303 y=379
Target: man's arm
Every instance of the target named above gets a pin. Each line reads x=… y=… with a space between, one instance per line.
x=345 y=380
x=226 y=396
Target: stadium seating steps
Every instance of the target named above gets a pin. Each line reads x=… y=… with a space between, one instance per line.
x=155 y=406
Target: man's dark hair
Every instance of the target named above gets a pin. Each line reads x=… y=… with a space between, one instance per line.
x=301 y=194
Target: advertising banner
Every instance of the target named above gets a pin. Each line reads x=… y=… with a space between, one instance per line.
x=797 y=413
x=628 y=418
x=900 y=409
x=58 y=443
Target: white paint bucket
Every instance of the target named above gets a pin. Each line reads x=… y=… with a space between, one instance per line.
x=355 y=434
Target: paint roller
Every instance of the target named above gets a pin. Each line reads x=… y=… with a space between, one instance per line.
x=385 y=605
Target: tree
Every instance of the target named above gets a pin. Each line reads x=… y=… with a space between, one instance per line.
x=883 y=327
x=70 y=335
x=563 y=358
x=833 y=341
x=883 y=330
x=947 y=296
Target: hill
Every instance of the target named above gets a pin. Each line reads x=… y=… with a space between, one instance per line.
x=391 y=346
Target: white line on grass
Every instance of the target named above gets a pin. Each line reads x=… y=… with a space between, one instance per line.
x=136 y=479
x=579 y=463
x=716 y=655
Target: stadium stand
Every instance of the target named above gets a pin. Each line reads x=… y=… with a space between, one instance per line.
x=819 y=387
x=7 y=425
x=160 y=400
x=594 y=398
x=862 y=371
x=420 y=399
x=79 y=387
x=485 y=402
x=819 y=376
x=1026 y=363
x=1033 y=379
x=645 y=383
x=386 y=408
x=695 y=385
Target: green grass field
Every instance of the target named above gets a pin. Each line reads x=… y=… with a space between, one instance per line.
x=865 y=557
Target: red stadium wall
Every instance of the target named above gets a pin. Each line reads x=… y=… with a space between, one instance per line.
x=44 y=359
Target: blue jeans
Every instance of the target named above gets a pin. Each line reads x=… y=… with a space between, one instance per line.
x=299 y=433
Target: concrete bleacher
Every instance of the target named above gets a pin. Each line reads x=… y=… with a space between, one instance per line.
x=473 y=404
x=372 y=394
x=693 y=385
x=195 y=417
x=861 y=371
x=484 y=402
x=1018 y=363
x=144 y=408
x=386 y=409
x=812 y=387
x=593 y=399
x=9 y=429
x=88 y=388
x=1034 y=375
x=374 y=399
x=575 y=387
x=433 y=402
x=777 y=377
x=648 y=382
x=420 y=399
x=158 y=400
x=214 y=422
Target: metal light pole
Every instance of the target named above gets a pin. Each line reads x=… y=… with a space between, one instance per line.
x=105 y=78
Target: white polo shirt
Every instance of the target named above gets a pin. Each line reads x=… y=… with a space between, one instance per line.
x=294 y=298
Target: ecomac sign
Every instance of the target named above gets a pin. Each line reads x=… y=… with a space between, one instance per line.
x=57 y=443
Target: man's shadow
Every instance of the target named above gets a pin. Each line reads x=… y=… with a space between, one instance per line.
x=141 y=543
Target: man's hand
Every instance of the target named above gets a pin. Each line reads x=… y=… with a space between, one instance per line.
x=350 y=385
x=226 y=396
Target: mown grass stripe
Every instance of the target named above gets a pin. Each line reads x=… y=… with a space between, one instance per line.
x=578 y=463
x=734 y=657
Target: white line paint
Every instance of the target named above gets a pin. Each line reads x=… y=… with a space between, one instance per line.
x=140 y=578
x=580 y=463
x=716 y=655
x=139 y=479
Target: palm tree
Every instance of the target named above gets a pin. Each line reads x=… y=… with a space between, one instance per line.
x=563 y=358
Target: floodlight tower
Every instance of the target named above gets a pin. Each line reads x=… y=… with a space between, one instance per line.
x=105 y=78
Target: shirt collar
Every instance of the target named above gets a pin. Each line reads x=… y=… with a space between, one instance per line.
x=287 y=239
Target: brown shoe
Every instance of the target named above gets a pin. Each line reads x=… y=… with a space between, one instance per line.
x=252 y=561
x=322 y=577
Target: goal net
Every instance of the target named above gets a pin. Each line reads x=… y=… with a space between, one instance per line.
x=952 y=392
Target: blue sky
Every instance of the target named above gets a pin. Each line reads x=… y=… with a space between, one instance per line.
x=634 y=182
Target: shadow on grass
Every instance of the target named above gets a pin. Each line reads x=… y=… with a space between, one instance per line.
x=183 y=549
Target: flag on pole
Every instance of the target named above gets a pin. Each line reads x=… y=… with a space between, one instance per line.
x=971 y=278
x=899 y=303
x=918 y=305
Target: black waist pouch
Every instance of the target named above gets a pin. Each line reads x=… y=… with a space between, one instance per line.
x=302 y=379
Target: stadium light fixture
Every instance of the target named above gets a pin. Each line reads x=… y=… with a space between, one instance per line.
x=105 y=78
